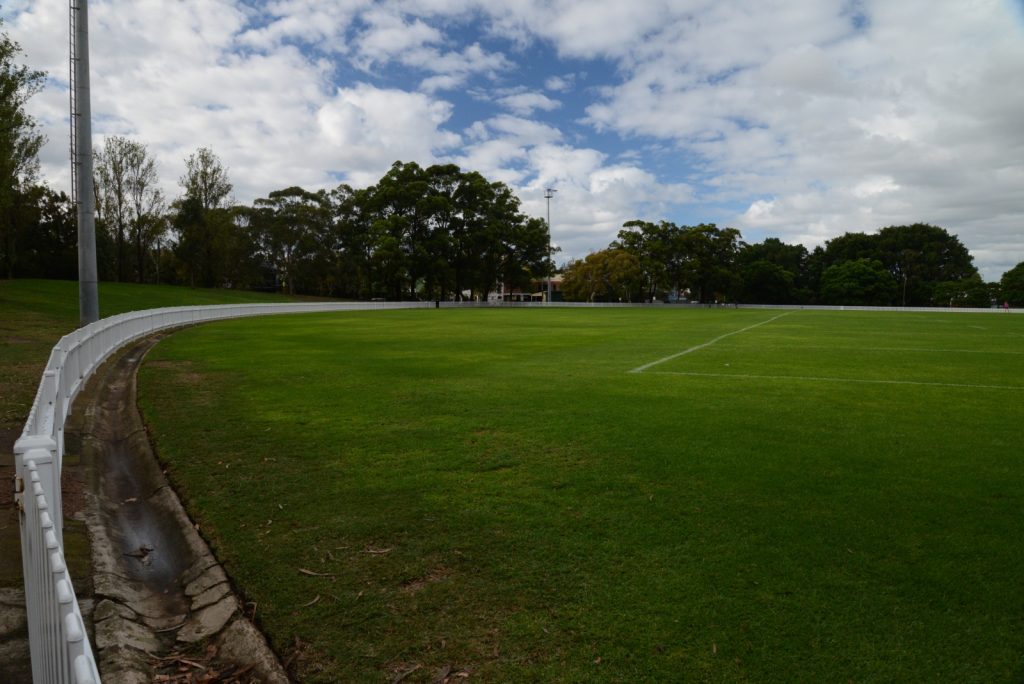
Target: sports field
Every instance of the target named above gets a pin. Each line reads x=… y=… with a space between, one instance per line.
x=611 y=495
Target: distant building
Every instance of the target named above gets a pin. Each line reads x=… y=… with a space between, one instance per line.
x=537 y=292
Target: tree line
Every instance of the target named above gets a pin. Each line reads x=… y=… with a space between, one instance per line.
x=915 y=265
x=419 y=233
x=432 y=233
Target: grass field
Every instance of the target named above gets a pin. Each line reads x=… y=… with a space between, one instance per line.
x=813 y=496
x=34 y=315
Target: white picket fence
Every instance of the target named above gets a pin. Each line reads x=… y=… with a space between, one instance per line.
x=58 y=642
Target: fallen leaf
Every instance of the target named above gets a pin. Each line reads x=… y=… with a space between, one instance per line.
x=402 y=675
x=311 y=573
x=442 y=676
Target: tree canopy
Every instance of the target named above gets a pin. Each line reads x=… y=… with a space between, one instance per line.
x=20 y=142
x=915 y=265
x=1011 y=286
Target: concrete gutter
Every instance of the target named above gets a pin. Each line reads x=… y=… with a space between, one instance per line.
x=159 y=592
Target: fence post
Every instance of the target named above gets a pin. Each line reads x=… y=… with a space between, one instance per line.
x=43 y=450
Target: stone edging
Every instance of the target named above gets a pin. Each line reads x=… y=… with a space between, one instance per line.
x=158 y=589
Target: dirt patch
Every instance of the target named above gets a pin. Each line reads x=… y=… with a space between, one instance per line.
x=190 y=668
x=72 y=488
x=10 y=531
x=169 y=364
x=182 y=373
x=6 y=490
x=403 y=671
x=437 y=574
x=8 y=436
x=190 y=379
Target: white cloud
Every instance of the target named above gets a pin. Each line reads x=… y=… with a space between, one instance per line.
x=389 y=36
x=559 y=84
x=803 y=120
x=836 y=129
x=454 y=68
x=367 y=129
x=309 y=21
x=873 y=186
x=524 y=104
x=272 y=117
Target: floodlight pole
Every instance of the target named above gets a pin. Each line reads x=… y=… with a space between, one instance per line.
x=548 y=194
x=81 y=163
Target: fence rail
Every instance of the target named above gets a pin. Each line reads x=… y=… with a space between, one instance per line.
x=59 y=645
x=60 y=648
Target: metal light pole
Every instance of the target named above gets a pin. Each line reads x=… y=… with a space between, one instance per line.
x=548 y=194
x=81 y=163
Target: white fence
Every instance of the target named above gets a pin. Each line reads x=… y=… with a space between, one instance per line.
x=59 y=645
x=58 y=642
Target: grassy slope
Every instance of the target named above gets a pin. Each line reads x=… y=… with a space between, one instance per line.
x=491 y=490
x=34 y=314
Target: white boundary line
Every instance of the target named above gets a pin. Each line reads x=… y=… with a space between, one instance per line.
x=899 y=349
x=641 y=369
x=745 y=376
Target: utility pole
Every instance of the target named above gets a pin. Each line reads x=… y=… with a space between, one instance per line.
x=548 y=194
x=81 y=163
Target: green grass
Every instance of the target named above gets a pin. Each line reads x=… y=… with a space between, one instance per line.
x=34 y=315
x=494 y=491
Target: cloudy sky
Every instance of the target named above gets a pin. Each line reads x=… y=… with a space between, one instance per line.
x=788 y=118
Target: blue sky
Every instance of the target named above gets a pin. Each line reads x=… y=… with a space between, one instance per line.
x=778 y=117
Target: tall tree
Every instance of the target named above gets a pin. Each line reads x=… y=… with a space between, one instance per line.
x=113 y=207
x=20 y=142
x=764 y=282
x=773 y=272
x=652 y=244
x=710 y=265
x=966 y=292
x=47 y=235
x=396 y=205
x=352 y=242
x=293 y=227
x=860 y=282
x=203 y=223
x=609 y=275
x=130 y=203
x=146 y=203
x=921 y=256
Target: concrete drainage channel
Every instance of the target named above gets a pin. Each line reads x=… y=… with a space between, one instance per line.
x=163 y=604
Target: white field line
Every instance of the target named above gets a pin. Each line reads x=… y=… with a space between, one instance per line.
x=862 y=381
x=641 y=369
x=896 y=349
